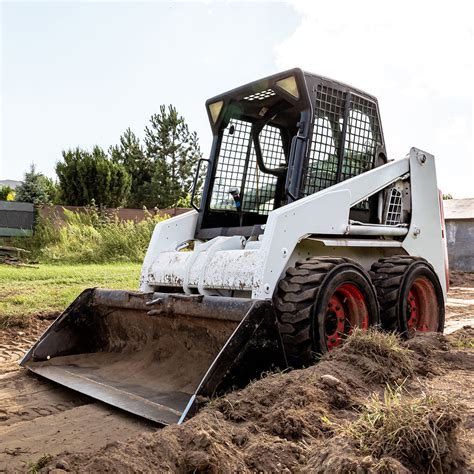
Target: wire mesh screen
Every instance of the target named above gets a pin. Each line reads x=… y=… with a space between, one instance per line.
x=237 y=170
x=362 y=136
x=325 y=141
x=231 y=163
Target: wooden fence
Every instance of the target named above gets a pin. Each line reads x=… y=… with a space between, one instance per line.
x=57 y=212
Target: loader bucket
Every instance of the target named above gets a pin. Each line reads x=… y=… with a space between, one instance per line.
x=157 y=354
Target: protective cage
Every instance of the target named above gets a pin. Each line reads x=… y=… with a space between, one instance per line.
x=271 y=147
x=345 y=138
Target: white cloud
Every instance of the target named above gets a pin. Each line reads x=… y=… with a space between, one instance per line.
x=415 y=56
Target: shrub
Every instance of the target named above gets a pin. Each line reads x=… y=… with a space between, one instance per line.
x=6 y=193
x=86 y=176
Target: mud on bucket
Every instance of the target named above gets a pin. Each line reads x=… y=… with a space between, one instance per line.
x=156 y=354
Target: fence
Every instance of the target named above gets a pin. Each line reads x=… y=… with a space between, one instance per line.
x=16 y=219
x=56 y=213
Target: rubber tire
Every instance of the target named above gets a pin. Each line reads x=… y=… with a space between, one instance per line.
x=393 y=277
x=301 y=301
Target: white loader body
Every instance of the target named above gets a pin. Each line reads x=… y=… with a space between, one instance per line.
x=304 y=232
x=315 y=225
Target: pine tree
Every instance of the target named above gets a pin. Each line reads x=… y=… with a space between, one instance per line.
x=130 y=154
x=34 y=188
x=175 y=152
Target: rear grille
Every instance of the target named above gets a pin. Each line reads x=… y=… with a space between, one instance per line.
x=393 y=213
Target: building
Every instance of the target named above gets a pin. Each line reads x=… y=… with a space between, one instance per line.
x=459 y=218
x=10 y=182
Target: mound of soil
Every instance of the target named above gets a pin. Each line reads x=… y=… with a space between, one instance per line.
x=296 y=421
x=461 y=279
x=463 y=337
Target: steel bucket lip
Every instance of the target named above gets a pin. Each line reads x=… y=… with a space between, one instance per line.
x=106 y=393
x=252 y=317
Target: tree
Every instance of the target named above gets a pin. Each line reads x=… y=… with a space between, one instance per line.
x=130 y=154
x=447 y=196
x=34 y=188
x=175 y=152
x=51 y=188
x=85 y=177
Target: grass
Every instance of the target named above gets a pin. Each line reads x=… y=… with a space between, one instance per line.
x=36 y=466
x=461 y=340
x=86 y=249
x=380 y=355
x=417 y=431
x=88 y=237
x=51 y=288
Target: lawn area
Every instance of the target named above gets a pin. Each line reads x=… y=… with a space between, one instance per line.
x=50 y=288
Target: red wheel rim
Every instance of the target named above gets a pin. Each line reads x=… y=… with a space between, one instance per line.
x=422 y=306
x=346 y=310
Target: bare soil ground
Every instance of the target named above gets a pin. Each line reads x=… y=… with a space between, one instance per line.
x=39 y=417
x=460 y=304
x=284 y=422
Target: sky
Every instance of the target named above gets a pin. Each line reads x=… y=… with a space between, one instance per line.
x=79 y=73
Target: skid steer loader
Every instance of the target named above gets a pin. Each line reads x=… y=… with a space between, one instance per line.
x=304 y=231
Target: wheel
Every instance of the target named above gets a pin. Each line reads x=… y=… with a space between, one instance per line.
x=318 y=303
x=410 y=295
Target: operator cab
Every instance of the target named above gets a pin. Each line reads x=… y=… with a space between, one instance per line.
x=280 y=139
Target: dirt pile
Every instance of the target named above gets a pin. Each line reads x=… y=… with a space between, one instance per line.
x=461 y=279
x=336 y=416
x=463 y=338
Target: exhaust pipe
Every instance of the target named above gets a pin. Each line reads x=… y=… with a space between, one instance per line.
x=157 y=354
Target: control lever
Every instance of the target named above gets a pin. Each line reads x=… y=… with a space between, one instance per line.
x=235 y=193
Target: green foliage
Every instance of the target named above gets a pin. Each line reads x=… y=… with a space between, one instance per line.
x=35 y=188
x=175 y=152
x=462 y=338
x=5 y=193
x=447 y=196
x=51 y=188
x=130 y=154
x=91 y=176
x=184 y=201
x=90 y=237
x=34 y=467
x=159 y=174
